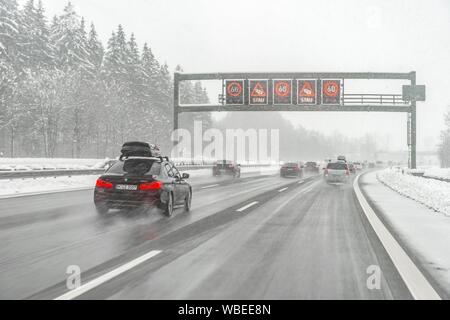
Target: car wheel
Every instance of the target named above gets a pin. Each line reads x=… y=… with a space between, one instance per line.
x=101 y=208
x=188 y=202
x=168 y=210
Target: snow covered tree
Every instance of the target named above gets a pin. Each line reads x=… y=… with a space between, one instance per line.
x=69 y=40
x=63 y=94
x=95 y=49
x=35 y=34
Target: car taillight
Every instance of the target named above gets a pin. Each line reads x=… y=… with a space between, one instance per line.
x=103 y=184
x=296 y=168
x=155 y=185
x=347 y=172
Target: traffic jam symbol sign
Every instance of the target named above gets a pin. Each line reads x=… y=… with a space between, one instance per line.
x=307 y=92
x=234 y=91
x=331 y=92
x=282 y=91
x=258 y=92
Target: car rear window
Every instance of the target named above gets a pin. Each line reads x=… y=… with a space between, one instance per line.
x=337 y=166
x=311 y=164
x=136 y=167
x=291 y=164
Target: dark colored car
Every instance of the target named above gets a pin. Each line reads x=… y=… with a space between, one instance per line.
x=352 y=168
x=291 y=169
x=142 y=182
x=226 y=167
x=311 y=167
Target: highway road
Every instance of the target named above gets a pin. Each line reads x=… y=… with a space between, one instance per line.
x=258 y=237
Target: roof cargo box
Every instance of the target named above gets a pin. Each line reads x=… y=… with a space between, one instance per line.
x=139 y=149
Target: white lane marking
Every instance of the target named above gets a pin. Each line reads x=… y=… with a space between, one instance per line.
x=107 y=276
x=301 y=181
x=247 y=206
x=284 y=189
x=416 y=282
x=211 y=186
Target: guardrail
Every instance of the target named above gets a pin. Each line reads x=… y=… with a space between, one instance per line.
x=79 y=172
x=422 y=175
x=374 y=99
x=436 y=178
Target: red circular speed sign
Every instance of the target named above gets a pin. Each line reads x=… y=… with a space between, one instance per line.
x=282 y=88
x=331 y=88
x=234 y=89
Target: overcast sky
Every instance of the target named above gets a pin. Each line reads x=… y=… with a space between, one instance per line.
x=294 y=35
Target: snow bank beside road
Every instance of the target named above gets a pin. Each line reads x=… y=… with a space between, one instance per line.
x=50 y=163
x=432 y=193
x=38 y=185
x=437 y=173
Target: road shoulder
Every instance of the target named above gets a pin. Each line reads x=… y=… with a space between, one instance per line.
x=423 y=234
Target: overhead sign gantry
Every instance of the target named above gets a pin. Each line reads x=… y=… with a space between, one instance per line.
x=306 y=91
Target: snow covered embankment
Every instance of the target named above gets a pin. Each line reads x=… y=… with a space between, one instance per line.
x=438 y=173
x=50 y=184
x=432 y=193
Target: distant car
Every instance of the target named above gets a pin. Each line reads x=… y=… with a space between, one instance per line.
x=226 y=167
x=311 y=167
x=371 y=165
x=336 y=172
x=358 y=166
x=342 y=158
x=291 y=169
x=351 y=168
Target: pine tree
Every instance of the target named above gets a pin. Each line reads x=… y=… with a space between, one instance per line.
x=69 y=40
x=95 y=49
x=9 y=30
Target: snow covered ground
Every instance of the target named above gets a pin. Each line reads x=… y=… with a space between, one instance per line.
x=430 y=172
x=434 y=194
x=50 y=184
x=426 y=235
x=438 y=173
x=14 y=164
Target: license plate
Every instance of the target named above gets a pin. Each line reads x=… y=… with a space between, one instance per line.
x=126 y=187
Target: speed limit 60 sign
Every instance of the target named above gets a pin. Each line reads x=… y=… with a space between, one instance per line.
x=331 y=91
x=234 y=91
x=282 y=91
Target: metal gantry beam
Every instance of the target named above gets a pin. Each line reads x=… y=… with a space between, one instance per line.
x=296 y=75
x=353 y=107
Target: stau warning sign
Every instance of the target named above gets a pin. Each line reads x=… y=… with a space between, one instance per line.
x=307 y=92
x=258 y=92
